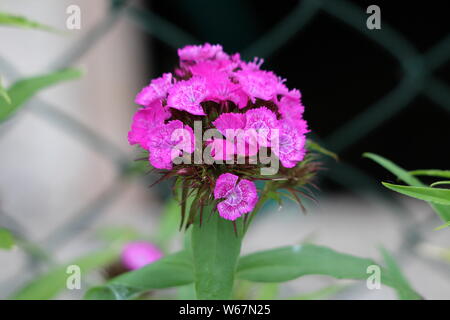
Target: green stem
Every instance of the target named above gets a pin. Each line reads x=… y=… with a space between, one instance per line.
x=215 y=251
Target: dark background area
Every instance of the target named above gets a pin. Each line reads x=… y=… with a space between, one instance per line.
x=340 y=71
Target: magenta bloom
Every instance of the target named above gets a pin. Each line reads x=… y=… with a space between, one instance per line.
x=187 y=95
x=255 y=125
x=144 y=120
x=229 y=121
x=137 y=254
x=240 y=197
x=251 y=108
x=260 y=84
x=201 y=52
x=259 y=123
x=291 y=143
x=169 y=141
x=290 y=106
x=221 y=88
x=156 y=90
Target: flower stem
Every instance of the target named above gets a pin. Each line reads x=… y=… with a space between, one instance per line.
x=215 y=251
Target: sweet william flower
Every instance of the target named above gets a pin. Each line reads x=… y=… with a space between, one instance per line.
x=251 y=108
x=138 y=254
x=240 y=197
x=169 y=141
x=199 y=53
x=290 y=147
x=260 y=84
x=156 y=90
x=256 y=125
x=188 y=94
x=144 y=120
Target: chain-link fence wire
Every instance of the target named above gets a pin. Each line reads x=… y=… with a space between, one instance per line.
x=418 y=79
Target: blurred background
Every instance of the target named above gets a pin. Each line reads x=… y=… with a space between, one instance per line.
x=65 y=162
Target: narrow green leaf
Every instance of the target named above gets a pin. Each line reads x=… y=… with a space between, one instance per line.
x=435 y=195
x=3 y=93
x=404 y=290
x=442 y=210
x=6 y=239
x=48 y=285
x=439 y=183
x=7 y=19
x=431 y=173
x=394 y=169
x=21 y=91
x=100 y=293
x=311 y=145
x=445 y=225
x=215 y=250
x=288 y=263
x=171 y=271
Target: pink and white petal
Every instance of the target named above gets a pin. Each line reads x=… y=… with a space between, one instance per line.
x=225 y=185
x=228 y=212
x=229 y=121
x=250 y=195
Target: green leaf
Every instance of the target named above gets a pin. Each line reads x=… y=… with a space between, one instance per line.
x=215 y=250
x=288 y=263
x=431 y=173
x=311 y=145
x=171 y=271
x=4 y=94
x=394 y=169
x=268 y=291
x=21 y=91
x=403 y=288
x=186 y=292
x=48 y=285
x=442 y=210
x=7 y=19
x=320 y=294
x=101 y=293
x=435 y=195
x=6 y=239
x=439 y=183
x=445 y=225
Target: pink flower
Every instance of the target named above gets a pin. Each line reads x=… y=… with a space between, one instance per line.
x=253 y=127
x=252 y=65
x=260 y=84
x=138 y=254
x=240 y=198
x=208 y=68
x=220 y=88
x=201 y=52
x=187 y=95
x=156 y=90
x=229 y=121
x=222 y=149
x=290 y=147
x=290 y=106
x=168 y=141
x=144 y=120
x=259 y=123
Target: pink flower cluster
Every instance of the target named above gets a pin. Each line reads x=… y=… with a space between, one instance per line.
x=246 y=96
x=137 y=254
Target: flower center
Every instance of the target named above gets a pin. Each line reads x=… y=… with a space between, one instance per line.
x=235 y=197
